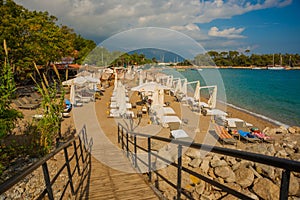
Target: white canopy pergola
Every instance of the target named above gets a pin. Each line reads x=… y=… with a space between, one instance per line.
x=81 y=80
x=212 y=101
x=149 y=87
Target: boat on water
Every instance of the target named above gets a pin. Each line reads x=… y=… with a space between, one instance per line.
x=196 y=69
x=279 y=67
x=276 y=67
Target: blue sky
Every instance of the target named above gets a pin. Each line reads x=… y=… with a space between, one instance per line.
x=271 y=30
x=262 y=26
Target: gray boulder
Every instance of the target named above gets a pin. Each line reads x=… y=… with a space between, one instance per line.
x=244 y=177
x=204 y=166
x=226 y=173
x=217 y=162
x=266 y=189
x=195 y=162
x=265 y=170
x=292 y=130
x=294 y=185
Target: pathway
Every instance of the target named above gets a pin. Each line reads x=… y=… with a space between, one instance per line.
x=112 y=176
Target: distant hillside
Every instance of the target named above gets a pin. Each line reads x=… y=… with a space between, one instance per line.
x=159 y=55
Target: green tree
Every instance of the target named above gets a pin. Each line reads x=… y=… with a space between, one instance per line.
x=82 y=48
x=35 y=37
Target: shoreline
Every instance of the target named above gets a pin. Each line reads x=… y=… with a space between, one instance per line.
x=274 y=122
x=229 y=67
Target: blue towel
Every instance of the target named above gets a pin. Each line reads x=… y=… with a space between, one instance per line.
x=243 y=133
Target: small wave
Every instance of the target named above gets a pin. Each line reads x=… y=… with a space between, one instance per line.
x=258 y=115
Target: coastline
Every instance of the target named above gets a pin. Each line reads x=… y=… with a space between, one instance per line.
x=258 y=120
x=227 y=67
x=261 y=116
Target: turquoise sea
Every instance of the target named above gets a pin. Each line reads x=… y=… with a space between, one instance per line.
x=270 y=94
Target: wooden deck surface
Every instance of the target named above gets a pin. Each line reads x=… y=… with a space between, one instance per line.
x=108 y=183
x=112 y=175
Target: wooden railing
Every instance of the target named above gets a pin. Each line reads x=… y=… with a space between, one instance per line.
x=130 y=144
x=80 y=150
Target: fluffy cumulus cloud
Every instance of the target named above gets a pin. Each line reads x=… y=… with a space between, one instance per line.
x=226 y=33
x=102 y=18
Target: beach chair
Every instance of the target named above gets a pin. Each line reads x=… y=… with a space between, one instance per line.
x=245 y=133
x=223 y=135
x=36 y=96
x=28 y=101
x=22 y=105
x=180 y=134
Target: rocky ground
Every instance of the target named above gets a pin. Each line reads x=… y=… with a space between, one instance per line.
x=256 y=180
x=30 y=186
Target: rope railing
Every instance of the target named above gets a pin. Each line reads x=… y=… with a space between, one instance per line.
x=288 y=166
x=81 y=155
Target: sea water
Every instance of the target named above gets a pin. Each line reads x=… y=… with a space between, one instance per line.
x=270 y=94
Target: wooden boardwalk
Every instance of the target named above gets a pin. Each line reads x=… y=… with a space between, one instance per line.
x=108 y=183
x=112 y=175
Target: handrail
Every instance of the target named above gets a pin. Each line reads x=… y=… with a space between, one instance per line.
x=15 y=179
x=5 y=186
x=287 y=165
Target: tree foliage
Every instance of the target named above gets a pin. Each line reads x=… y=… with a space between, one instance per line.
x=101 y=56
x=235 y=58
x=35 y=37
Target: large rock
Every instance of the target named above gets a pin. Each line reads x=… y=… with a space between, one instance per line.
x=265 y=170
x=249 y=194
x=195 y=162
x=204 y=166
x=266 y=189
x=292 y=130
x=273 y=131
x=244 y=177
x=217 y=162
x=235 y=187
x=231 y=160
x=267 y=131
x=282 y=130
x=186 y=160
x=200 y=187
x=297 y=129
x=294 y=185
x=193 y=153
x=271 y=150
x=226 y=173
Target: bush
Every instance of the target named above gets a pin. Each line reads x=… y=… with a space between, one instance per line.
x=8 y=115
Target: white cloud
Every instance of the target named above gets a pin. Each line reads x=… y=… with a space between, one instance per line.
x=103 y=18
x=226 y=33
x=188 y=27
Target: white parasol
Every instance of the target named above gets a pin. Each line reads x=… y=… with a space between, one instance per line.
x=212 y=101
x=184 y=87
x=197 y=92
x=72 y=94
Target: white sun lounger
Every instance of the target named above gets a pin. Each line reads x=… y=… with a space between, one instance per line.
x=168 y=111
x=168 y=119
x=230 y=122
x=180 y=134
x=215 y=112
